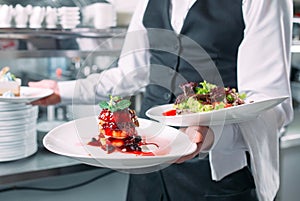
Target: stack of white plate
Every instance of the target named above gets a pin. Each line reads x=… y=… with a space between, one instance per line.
x=69 y=17
x=18 y=136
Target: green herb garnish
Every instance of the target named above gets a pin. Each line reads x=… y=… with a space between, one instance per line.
x=115 y=103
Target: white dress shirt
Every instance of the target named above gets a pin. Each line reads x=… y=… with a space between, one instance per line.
x=263 y=71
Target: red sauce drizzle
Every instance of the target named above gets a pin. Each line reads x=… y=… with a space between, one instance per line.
x=123 y=149
x=117 y=133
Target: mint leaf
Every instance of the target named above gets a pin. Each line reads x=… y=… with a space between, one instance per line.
x=123 y=104
x=104 y=105
x=115 y=103
x=115 y=98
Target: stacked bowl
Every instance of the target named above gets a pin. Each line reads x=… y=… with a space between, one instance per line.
x=69 y=17
x=18 y=136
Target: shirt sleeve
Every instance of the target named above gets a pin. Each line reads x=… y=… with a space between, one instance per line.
x=127 y=78
x=264 y=54
x=264 y=59
x=263 y=72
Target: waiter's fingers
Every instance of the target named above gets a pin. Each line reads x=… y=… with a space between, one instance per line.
x=203 y=136
x=49 y=100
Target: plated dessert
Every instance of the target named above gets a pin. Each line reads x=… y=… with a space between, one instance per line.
x=204 y=97
x=9 y=84
x=71 y=140
x=117 y=128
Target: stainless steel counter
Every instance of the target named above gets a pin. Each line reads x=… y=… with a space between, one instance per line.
x=41 y=164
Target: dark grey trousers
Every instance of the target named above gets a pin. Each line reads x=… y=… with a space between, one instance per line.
x=191 y=181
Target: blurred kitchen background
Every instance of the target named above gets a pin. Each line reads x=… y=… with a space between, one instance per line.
x=90 y=42
x=64 y=45
x=75 y=45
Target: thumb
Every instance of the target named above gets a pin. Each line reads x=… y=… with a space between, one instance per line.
x=194 y=134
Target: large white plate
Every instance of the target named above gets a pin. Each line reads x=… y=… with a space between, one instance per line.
x=70 y=139
x=27 y=95
x=7 y=106
x=229 y=115
x=18 y=114
x=19 y=154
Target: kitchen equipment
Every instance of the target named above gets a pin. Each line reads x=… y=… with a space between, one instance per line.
x=18 y=137
x=22 y=15
x=124 y=10
x=69 y=17
x=37 y=17
x=6 y=15
x=99 y=15
x=51 y=17
x=104 y=15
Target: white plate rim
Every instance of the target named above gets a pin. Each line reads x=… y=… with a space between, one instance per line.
x=26 y=96
x=121 y=157
x=224 y=113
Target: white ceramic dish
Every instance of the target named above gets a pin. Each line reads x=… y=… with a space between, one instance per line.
x=18 y=134
x=70 y=139
x=69 y=18
x=68 y=8
x=229 y=115
x=5 y=130
x=17 y=144
x=6 y=106
x=13 y=115
x=68 y=26
x=18 y=154
x=13 y=122
x=70 y=22
x=28 y=94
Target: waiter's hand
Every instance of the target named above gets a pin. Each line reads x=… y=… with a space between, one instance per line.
x=49 y=100
x=203 y=136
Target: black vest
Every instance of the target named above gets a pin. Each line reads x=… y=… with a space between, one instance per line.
x=205 y=49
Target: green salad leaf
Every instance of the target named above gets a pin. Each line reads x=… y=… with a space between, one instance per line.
x=207 y=97
x=205 y=88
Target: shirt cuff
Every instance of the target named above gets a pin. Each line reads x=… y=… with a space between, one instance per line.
x=66 y=91
x=217 y=130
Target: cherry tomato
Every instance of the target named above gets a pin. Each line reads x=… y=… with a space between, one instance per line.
x=228 y=105
x=169 y=113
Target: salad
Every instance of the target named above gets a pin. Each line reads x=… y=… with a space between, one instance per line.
x=204 y=97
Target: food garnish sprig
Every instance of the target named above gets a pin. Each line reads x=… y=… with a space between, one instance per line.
x=115 y=103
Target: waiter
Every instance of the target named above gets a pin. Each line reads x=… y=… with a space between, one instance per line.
x=238 y=43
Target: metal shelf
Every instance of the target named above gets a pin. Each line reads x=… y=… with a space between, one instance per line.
x=15 y=33
x=60 y=34
x=56 y=53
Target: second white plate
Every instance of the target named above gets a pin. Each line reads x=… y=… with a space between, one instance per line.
x=234 y=114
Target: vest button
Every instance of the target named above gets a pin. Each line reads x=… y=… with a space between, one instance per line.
x=167 y=96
